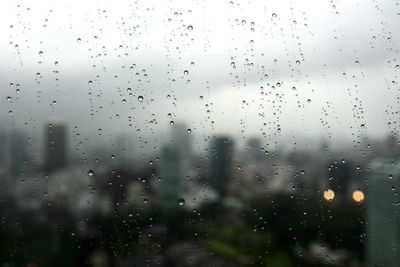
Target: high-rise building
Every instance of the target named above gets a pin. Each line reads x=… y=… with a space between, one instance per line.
x=254 y=148
x=56 y=146
x=392 y=147
x=18 y=155
x=383 y=218
x=170 y=185
x=181 y=139
x=3 y=143
x=221 y=163
x=126 y=148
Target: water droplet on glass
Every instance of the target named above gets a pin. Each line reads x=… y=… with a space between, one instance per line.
x=181 y=202
x=140 y=98
x=186 y=72
x=190 y=28
x=90 y=173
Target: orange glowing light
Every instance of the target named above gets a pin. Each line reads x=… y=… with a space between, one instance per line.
x=358 y=196
x=329 y=195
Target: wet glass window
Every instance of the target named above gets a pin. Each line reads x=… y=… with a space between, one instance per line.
x=199 y=133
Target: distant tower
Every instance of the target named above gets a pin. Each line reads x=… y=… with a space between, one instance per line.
x=181 y=140
x=383 y=218
x=56 y=146
x=221 y=163
x=170 y=187
x=392 y=148
x=254 y=148
x=18 y=155
x=3 y=147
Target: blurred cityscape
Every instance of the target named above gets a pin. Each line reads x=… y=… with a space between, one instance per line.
x=227 y=205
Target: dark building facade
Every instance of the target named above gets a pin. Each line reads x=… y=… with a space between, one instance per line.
x=221 y=163
x=383 y=214
x=56 y=147
x=170 y=188
x=3 y=147
x=18 y=155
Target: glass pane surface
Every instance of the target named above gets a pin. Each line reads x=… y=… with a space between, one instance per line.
x=199 y=133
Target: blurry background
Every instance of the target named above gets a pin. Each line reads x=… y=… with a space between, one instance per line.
x=199 y=133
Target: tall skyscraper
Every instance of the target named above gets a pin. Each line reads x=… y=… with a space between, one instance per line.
x=18 y=155
x=170 y=186
x=254 y=148
x=181 y=140
x=392 y=147
x=383 y=227
x=56 y=146
x=126 y=147
x=221 y=163
x=3 y=145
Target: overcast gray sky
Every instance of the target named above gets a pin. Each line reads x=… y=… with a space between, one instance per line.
x=278 y=68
